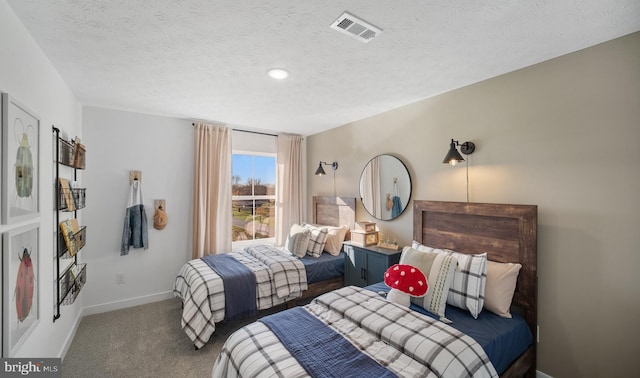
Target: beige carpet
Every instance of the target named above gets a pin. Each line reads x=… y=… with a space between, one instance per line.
x=143 y=341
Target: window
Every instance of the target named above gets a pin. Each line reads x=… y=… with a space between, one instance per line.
x=253 y=196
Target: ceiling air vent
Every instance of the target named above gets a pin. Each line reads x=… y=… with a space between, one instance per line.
x=355 y=27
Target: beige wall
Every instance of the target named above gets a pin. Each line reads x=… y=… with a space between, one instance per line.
x=563 y=135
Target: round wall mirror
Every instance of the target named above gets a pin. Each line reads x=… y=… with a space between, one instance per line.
x=385 y=187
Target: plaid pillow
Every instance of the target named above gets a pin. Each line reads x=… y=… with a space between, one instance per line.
x=297 y=240
x=469 y=280
x=335 y=237
x=317 y=240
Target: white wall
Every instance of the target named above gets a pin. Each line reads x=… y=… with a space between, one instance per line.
x=161 y=148
x=242 y=141
x=27 y=75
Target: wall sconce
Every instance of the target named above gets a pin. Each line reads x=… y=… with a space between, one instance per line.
x=453 y=156
x=320 y=171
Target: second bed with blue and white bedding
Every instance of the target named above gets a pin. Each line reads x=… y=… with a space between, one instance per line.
x=279 y=277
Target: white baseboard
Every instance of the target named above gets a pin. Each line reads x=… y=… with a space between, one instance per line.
x=67 y=342
x=540 y=374
x=131 y=302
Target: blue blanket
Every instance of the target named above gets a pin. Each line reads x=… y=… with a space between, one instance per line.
x=319 y=349
x=239 y=286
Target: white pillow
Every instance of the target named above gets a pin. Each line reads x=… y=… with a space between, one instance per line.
x=469 y=279
x=297 y=240
x=317 y=240
x=438 y=268
x=501 y=284
x=335 y=238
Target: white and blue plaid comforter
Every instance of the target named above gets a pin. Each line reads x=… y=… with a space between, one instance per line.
x=406 y=342
x=279 y=278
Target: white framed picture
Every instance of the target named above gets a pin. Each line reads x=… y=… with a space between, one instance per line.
x=20 y=156
x=20 y=285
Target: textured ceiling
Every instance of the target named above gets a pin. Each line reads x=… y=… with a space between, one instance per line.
x=207 y=60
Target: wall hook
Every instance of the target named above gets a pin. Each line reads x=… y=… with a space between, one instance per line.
x=135 y=176
x=160 y=204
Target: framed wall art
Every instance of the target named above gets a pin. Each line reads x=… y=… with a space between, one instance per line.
x=20 y=156
x=20 y=286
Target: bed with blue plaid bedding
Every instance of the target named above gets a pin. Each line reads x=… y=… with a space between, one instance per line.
x=279 y=278
x=406 y=343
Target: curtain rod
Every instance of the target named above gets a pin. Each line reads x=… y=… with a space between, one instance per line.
x=248 y=131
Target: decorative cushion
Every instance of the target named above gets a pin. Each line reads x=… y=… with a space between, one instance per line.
x=335 y=237
x=501 y=284
x=405 y=281
x=317 y=240
x=469 y=279
x=298 y=240
x=439 y=268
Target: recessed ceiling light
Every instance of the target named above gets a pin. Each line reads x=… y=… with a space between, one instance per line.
x=278 y=73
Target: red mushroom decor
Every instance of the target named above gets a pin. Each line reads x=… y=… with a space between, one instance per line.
x=404 y=281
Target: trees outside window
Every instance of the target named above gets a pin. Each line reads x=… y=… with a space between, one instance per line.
x=253 y=196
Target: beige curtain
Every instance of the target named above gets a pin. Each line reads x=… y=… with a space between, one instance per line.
x=212 y=218
x=289 y=188
x=370 y=188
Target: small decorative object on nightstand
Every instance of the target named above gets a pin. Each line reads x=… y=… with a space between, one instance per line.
x=391 y=246
x=364 y=238
x=365 y=226
x=365 y=234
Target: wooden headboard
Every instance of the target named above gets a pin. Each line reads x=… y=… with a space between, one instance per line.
x=334 y=211
x=508 y=233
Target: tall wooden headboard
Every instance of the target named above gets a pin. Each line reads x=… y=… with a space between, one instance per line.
x=331 y=211
x=507 y=233
x=334 y=211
